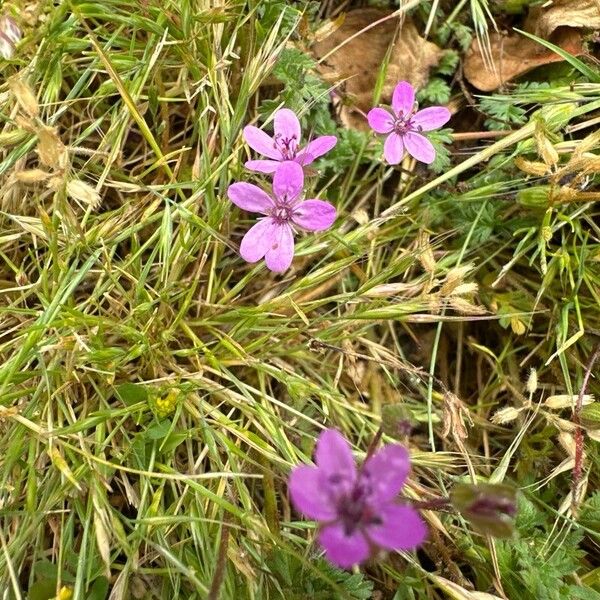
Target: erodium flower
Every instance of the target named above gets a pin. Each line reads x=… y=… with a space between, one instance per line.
x=285 y=143
x=405 y=125
x=356 y=508
x=272 y=238
x=10 y=35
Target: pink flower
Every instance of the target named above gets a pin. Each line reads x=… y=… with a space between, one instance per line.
x=406 y=124
x=272 y=238
x=356 y=507
x=284 y=145
x=10 y=35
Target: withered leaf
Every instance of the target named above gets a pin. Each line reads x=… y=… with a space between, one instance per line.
x=542 y=21
x=559 y=22
x=359 y=61
x=514 y=55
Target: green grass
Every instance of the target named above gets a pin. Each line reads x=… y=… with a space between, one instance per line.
x=176 y=486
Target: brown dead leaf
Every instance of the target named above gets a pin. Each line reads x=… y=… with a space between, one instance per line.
x=563 y=13
x=513 y=56
x=357 y=63
x=456 y=414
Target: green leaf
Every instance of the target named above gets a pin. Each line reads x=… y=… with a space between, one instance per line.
x=45 y=589
x=99 y=589
x=584 y=69
x=448 y=63
x=159 y=430
x=132 y=393
x=437 y=91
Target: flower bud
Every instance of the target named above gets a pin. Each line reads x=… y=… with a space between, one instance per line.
x=534 y=197
x=590 y=416
x=532 y=381
x=506 y=415
x=490 y=508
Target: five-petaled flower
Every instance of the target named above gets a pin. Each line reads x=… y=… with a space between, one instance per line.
x=356 y=507
x=284 y=145
x=406 y=124
x=272 y=238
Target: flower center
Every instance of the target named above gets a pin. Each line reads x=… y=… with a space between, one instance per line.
x=287 y=146
x=403 y=122
x=282 y=211
x=403 y=125
x=353 y=509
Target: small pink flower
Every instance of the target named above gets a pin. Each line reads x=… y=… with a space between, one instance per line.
x=272 y=238
x=356 y=507
x=406 y=124
x=284 y=145
x=10 y=35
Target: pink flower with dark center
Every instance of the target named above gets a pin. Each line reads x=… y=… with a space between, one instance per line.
x=405 y=125
x=285 y=143
x=356 y=507
x=272 y=238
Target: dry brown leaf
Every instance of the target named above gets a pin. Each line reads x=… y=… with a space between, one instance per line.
x=563 y=13
x=514 y=55
x=359 y=61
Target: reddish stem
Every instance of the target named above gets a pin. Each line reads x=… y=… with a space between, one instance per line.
x=374 y=443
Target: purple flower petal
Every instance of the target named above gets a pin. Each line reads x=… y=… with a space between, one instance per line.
x=334 y=456
x=7 y=49
x=279 y=256
x=10 y=30
x=401 y=528
x=403 y=98
x=341 y=549
x=316 y=148
x=431 y=118
x=308 y=495
x=314 y=215
x=258 y=140
x=387 y=470
x=258 y=240
x=288 y=181
x=250 y=197
x=380 y=120
x=262 y=166
x=287 y=125
x=419 y=147
x=393 y=149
